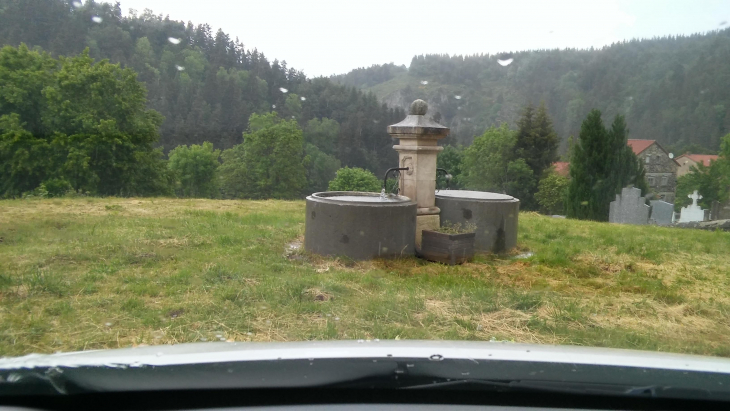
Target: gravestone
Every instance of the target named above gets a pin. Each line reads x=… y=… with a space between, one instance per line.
x=715 y=210
x=662 y=213
x=692 y=212
x=629 y=208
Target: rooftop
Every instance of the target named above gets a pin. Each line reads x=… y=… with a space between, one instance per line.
x=705 y=159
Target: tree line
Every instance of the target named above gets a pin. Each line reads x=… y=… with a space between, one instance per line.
x=205 y=85
x=673 y=89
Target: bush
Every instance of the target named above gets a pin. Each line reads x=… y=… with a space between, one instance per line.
x=195 y=170
x=551 y=193
x=355 y=179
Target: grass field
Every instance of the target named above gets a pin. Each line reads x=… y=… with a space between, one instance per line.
x=80 y=274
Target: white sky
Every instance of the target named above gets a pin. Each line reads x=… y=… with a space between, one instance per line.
x=323 y=37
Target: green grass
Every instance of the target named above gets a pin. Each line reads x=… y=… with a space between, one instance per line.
x=92 y=273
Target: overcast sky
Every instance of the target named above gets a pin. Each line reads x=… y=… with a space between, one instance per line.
x=323 y=37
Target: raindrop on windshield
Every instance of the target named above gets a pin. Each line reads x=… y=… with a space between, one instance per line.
x=108 y=324
x=159 y=354
x=303 y=98
x=360 y=341
x=222 y=339
x=249 y=333
x=180 y=68
x=436 y=357
x=457 y=97
x=722 y=23
x=505 y=62
x=77 y=4
x=283 y=90
x=203 y=339
x=97 y=19
x=268 y=321
x=173 y=40
x=14 y=377
x=273 y=106
x=424 y=82
x=329 y=315
x=337 y=318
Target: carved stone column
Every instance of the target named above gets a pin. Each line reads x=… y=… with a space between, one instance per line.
x=417 y=150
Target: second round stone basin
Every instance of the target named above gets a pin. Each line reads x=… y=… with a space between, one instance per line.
x=495 y=216
x=360 y=225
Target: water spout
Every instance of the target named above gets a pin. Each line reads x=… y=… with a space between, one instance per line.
x=385 y=179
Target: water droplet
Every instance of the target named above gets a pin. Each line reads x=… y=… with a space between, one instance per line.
x=268 y=321
x=283 y=90
x=399 y=371
x=293 y=118
x=77 y=4
x=410 y=365
x=14 y=377
x=273 y=106
x=479 y=327
x=180 y=68
x=218 y=335
x=329 y=315
x=160 y=354
x=424 y=82
x=222 y=339
x=108 y=324
x=457 y=97
x=97 y=19
x=360 y=341
x=465 y=373
x=630 y=98
x=249 y=333
x=173 y=40
x=376 y=121
x=203 y=339
x=505 y=62
x=377 y=340
x=436 y=357
x=337 y=318
x=303 y=98
x=722 y=23
x=492 y=339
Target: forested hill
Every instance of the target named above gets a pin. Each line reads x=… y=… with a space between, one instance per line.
x=673 y=89
x=205 y=84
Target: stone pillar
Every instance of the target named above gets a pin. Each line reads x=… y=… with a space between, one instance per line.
x=417 y=150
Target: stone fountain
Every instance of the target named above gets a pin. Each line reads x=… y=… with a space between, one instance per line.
x=370 y=225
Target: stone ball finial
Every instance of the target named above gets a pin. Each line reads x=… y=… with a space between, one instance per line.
x=419 y=108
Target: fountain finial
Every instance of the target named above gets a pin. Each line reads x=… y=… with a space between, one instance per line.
x=419 y=108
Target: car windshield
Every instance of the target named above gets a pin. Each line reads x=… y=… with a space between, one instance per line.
x=544 y=172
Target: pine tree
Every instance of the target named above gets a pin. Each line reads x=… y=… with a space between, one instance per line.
x=588 y=170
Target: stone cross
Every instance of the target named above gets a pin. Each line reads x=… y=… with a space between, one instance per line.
x=695 y=196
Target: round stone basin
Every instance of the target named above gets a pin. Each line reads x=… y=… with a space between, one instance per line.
x=360 y=226
x=495 y=216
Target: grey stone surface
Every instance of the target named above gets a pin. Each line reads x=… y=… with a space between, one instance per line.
x=358 y=227
x=723 y=225
x=629 y=208
x=495 y=216
x=419 y=108
x=416 y=123
x=714 y=210
x=662 y=213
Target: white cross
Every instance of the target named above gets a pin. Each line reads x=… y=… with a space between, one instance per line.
x=694 y=196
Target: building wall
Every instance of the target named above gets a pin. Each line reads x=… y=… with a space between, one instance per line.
x=685 y=165
x=661 y=172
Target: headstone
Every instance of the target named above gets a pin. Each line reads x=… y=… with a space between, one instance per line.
x=692 y=212
x=715 y=210
x=662 y=213
x=629 y=208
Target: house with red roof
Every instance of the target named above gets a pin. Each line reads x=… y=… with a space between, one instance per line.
x=687 y=161
x=660 y=167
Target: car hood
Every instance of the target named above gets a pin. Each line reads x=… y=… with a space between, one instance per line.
x=209 y=353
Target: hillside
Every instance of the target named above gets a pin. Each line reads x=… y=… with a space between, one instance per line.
x=204 y=83
x=673 y=89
